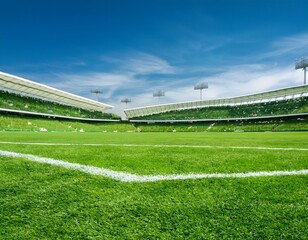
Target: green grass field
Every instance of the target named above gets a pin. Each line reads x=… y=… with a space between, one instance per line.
x=40 y=201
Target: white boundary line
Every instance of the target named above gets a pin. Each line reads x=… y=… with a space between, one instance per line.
x=123 y=177
x=154 y=145
x=127 y=177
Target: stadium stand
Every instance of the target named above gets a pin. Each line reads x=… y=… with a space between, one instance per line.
x=279 y=110
x=14 y=101
x=282 y=107
x=229 y=106
x=32 y=98
x=290 y=123
x=274 y=103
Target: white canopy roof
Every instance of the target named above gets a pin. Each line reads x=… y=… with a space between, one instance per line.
x=17 y=84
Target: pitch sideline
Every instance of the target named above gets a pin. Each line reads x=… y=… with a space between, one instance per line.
x=127 y=177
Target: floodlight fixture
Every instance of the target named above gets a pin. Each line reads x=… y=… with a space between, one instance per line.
x=126 y=100
x=159 y=93
x=302 y=64
x=97 y=92
x=201 y=86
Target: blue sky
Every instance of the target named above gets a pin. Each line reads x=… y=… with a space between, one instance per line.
x=131 y=48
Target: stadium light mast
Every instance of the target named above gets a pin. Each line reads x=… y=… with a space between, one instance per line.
x=200 y=87
x=126 y=100
x=302 y=64
x=97 y=92
x=159 y=93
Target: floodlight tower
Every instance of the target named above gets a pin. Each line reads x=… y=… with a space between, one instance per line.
x=97 y=92
x=302 y=64
x=126 y=100
x=159 y=93
x=200 y=87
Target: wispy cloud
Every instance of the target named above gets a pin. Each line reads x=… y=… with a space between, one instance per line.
x=256 y=78
x=83 y=83
x=144 y=63
x=294 y=45
x=131 y=76
x=141 y=63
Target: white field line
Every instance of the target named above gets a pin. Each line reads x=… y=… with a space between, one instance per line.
x=123 y=177
x=154 y=145
x=127 y=177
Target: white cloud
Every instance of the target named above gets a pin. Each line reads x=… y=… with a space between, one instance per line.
x=129 y=77
x=84 y=83
x=144 y=63
x=243 y=80
x=141 y=63
x=294 y=45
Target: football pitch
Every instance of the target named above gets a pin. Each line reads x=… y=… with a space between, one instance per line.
x=154 y=185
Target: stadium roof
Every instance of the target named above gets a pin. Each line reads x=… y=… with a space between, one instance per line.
x=26 y=87
x=279 y=94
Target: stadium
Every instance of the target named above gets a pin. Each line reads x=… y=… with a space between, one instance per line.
x=24 y=102
x=229 y=168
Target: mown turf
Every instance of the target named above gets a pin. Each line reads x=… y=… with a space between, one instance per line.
x=266 y=139
x=38 y=201
x=147 y=158
x=171 y=160
x=44 y=202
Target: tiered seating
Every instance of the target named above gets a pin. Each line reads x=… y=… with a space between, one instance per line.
x=26 y=103
x=257 y=125
x=282 y=107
